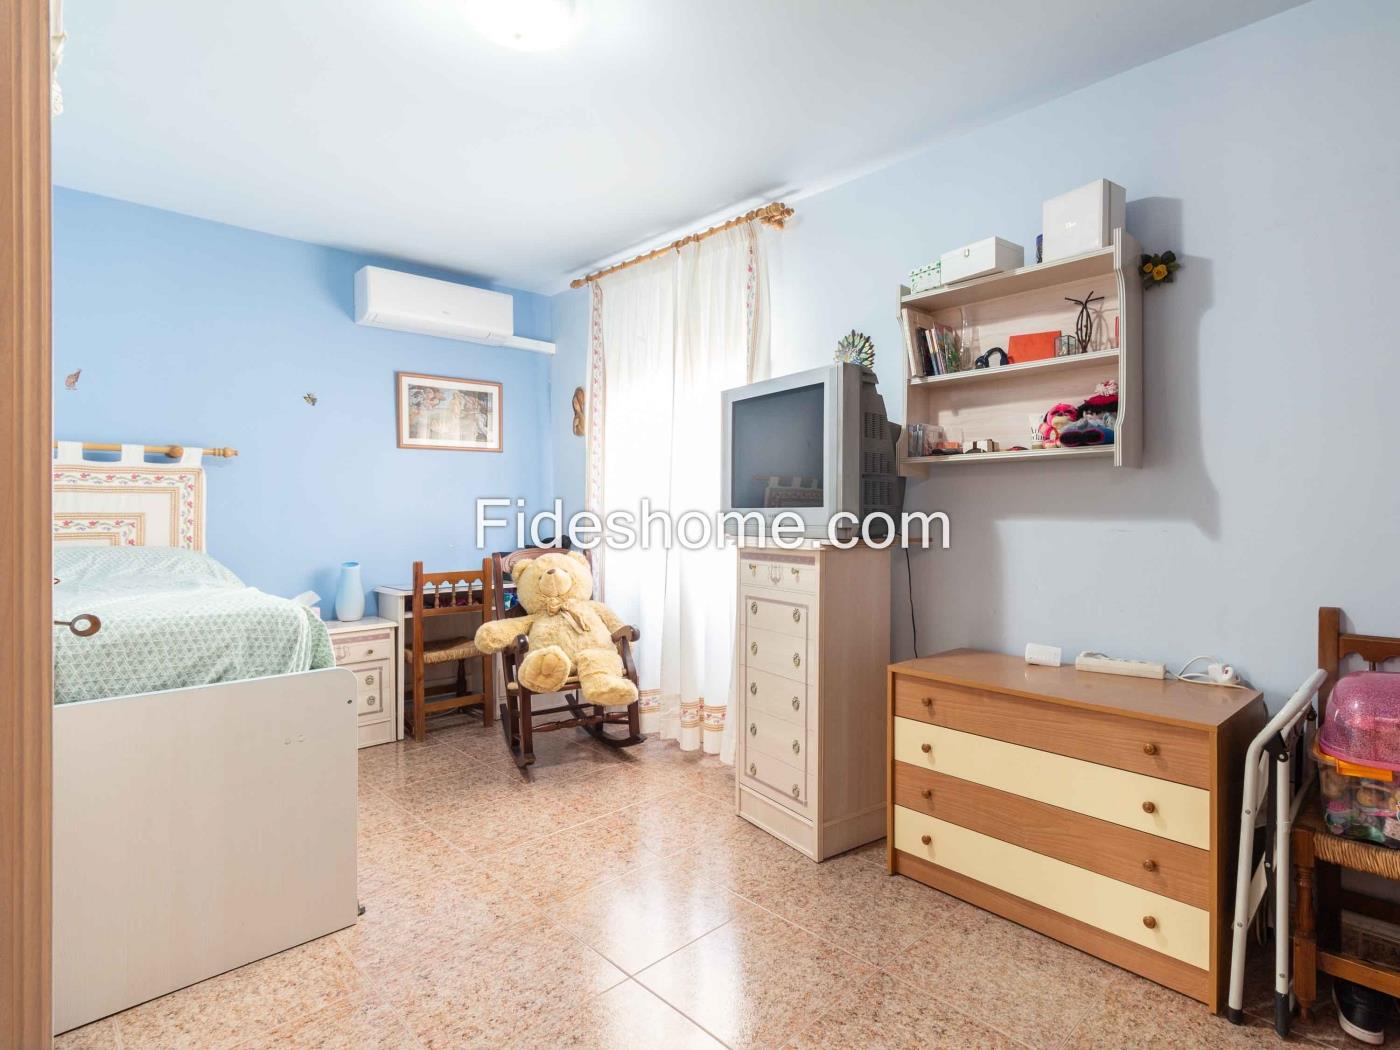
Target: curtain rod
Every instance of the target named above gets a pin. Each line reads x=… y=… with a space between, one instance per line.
x=770 y=215
x=173 y=451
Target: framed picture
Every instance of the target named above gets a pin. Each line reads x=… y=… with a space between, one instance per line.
x=440 y=412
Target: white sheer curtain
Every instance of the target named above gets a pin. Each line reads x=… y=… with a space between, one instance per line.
x=668 y=336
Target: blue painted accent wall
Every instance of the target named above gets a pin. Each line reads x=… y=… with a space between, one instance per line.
x=1264 y=158
x=198 y=333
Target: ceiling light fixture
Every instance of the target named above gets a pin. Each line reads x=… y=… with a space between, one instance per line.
x=526 y=25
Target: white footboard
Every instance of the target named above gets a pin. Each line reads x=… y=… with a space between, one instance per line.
x=197 y=830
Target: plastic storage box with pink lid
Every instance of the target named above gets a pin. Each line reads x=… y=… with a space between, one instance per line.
x=1358 y=751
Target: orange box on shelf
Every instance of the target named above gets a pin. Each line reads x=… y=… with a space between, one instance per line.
x=1037 y=346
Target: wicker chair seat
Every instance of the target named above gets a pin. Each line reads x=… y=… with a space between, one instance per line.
x=445 y=651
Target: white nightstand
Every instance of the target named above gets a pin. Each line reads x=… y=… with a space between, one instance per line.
x=369 y=647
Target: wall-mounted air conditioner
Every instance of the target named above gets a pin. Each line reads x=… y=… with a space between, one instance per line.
x=406 y=302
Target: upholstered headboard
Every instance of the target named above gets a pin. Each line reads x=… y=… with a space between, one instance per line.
x=128 y=502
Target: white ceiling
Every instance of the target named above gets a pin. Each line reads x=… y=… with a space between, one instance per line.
x=390 y=126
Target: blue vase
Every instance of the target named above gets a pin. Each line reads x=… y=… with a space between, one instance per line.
x=350 y=594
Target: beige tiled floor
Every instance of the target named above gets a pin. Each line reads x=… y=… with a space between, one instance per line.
x=614 y=900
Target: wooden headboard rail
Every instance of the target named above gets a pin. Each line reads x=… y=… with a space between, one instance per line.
x=1334 y=646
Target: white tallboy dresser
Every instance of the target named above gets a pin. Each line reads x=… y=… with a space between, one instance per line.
x=812 y=644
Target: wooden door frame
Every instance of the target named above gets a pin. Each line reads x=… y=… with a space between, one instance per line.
x=26 y=592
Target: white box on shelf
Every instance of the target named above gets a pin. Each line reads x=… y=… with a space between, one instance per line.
x=926 y=277
x=978 y=259
x=1081 y=220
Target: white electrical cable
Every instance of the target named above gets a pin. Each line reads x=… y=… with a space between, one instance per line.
x=1205 y=679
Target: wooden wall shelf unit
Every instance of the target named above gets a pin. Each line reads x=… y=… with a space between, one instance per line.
x=1000 y=403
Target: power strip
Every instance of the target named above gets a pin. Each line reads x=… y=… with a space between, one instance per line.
x=1100 y=664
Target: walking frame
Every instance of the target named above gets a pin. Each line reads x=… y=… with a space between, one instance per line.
x=1275 y=784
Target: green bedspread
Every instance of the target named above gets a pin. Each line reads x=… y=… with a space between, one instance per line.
x=171 y=619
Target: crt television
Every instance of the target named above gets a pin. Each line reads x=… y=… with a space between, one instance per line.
x=815 y=443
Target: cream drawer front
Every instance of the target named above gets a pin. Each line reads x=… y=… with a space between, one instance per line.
x=371 y=689
x=793 y=572
x=356 y=648
x=778 y=654
x=778 y=738
x=782 y=779
x=1159 y=923
x=776 y=696
x=1134 y=800
x=773 y=614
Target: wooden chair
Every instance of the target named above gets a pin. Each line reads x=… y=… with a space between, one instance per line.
x=517 y=709
x=1319 y=855
x=447 y=594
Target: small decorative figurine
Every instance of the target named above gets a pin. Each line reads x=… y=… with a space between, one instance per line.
x=1084 y=323
x=577 y=402
x=71 y=381
x=1158 y=269
x=985 y=361
x=857 y=349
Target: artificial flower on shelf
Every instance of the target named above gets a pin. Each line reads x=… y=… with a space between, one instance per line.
x=1158 y=269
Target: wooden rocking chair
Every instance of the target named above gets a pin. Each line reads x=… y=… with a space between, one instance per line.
x=517 y=710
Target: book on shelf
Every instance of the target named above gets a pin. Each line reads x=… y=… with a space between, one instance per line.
x=946 y=340
x=913 y=343
x=932 y=366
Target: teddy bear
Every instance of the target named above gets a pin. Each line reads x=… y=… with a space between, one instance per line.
x=567 y=631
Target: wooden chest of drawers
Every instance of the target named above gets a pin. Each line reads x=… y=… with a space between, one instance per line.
x=1097 y=809
x=812 y=645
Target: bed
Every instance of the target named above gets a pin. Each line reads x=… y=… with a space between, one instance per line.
x=205 y=756
x=171 y=619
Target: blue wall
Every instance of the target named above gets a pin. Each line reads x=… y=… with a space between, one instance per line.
x=1268 y=484
x=198 y=333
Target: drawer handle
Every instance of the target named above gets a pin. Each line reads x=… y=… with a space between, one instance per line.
x=926 y=748
x=1149 y=865
x=753 y=729
x=753 y=648
x=371 y=700
x=796 y=704
x=796 y=573
x=796 y=747
x=369 y=679
x=369 y=652
x=1149 y=922
x=796 y=660
x=796 y=791
x=927 y=840
x=1149 y=749
x=753 y=769
x=753 y=689
x=1149 y=807
x=927 y=792
x=927 y=701
x=753 y=608
x=797 y=616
